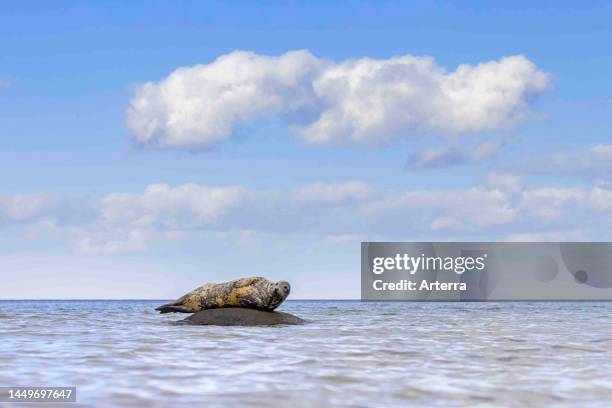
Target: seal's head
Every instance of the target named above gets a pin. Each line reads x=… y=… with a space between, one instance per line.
x=282 y=288
x=280 y=291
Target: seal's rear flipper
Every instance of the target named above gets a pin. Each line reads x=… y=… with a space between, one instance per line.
x=173 y=308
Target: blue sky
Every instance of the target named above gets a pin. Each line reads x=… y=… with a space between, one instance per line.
x=264 y=198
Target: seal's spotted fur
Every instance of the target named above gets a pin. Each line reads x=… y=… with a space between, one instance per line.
x=253 y=293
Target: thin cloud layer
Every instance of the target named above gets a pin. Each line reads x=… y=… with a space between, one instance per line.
x=17 y=208
x=593 y=163
x=353 y=101
x=131 y=222
x=332 y=193
x=448 y=156
x=182 y=207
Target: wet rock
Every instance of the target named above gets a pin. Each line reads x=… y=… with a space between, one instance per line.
x=234 y=316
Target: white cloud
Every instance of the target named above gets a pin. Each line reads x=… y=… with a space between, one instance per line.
x=469 y=209
x=332 y=193
x=453 y=155
x=602 y=151
x=601 y=200
x=199 y=105
x=593 y=163
x=375 y=100
x=26 y=207
x=576 y=234
x=127 y=222
x=550 y=204
x=185 y=206
x=362 y=100
x=502 y=208
x=505 y=182
x=98 y=244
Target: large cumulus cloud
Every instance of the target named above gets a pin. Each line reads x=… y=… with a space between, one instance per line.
x=362 y=100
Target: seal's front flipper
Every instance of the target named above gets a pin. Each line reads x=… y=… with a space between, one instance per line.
x=173 y=308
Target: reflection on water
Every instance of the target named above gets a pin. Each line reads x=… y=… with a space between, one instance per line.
x=349 y=354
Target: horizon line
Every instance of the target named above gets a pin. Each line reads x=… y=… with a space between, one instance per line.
x=151 y=299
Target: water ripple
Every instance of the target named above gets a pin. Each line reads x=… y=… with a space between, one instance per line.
x=349 y=354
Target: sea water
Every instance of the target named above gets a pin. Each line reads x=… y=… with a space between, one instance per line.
x=350 y=353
